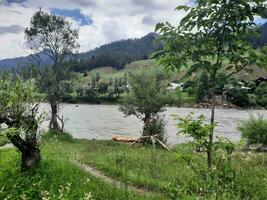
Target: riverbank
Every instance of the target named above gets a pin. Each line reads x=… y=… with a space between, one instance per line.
x=201 y=105
x=164 y=173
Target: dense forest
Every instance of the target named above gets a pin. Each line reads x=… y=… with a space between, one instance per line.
x=117 y=54
x=261 y=39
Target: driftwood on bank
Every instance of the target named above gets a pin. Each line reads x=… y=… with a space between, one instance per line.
x=139 y=139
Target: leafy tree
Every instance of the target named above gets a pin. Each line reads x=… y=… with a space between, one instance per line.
x=52 y=36
x=211 y=38
x=18 y=110
x=146 y=98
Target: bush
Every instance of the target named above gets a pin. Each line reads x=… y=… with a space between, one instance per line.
x=252 y=100
x=254 y=130
x=3 y=140
x=261 y=92
x=156 y=126
x=238 y=97
x=146 y=98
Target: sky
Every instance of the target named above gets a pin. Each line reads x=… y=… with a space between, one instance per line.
x=99 y=21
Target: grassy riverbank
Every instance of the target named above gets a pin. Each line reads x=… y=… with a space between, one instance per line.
x=164 y=173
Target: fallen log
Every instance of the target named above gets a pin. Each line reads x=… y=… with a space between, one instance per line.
x=137 y=139
x=122 y=138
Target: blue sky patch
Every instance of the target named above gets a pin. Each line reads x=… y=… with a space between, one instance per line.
x=75 y=14
x=15 y=1
x=260 y=21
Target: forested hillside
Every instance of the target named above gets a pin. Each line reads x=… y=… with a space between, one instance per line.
x=117 y=54
x=261 y=39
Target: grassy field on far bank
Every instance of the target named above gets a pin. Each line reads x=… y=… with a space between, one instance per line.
x=165 y=173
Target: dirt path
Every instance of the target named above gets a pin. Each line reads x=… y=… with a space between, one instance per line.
x=117 y=183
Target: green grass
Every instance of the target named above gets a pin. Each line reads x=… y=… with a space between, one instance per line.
x=164 y=172
x=54 y=178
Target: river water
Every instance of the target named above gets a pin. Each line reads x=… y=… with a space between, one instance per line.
x=103 y=121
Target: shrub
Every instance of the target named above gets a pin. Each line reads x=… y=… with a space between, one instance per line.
x=254 y=129
x=3 y=140
x=146 y=98
x=261 y=92
x=156 y=126
x=252 y=100
x=238 y=97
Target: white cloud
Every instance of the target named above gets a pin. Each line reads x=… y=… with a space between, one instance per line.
x=112 y=20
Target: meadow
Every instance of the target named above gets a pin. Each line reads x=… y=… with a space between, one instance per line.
x=163 y=174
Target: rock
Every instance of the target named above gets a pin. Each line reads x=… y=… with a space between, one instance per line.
x=3 y=126
x=257 y=147
x=263 y=148
x=254 y=147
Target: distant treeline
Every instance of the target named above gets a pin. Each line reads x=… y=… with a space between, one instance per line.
x=116 y=54
x=261 y=39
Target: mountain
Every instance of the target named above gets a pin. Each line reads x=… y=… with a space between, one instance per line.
x=261 y=39
x=115 y=54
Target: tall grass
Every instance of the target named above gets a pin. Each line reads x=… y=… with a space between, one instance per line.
x=163 y=172
x=55 y=178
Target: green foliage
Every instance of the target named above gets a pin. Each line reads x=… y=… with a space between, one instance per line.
x=56 y=178
x=195 y=128
x=51 y=35
x=238 y=96
x=254 y=129
x=261 y=93
x=146 y=97
x=223 y=173
x=218 y=40
x=18 y=101
x=156 y=126
x=3 y=139
x=164 y=172
x=14 y=93
x=211 y=39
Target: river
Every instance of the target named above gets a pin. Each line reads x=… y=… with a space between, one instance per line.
x=103 y=121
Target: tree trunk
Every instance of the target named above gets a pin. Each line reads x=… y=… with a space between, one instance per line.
x=212 y=120
x=146 y=123
x=29 y=150
x=54 y=113
x=30 y=158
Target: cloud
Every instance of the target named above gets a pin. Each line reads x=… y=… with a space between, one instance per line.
x=14 y=29
x=74 y=14
x=99 y=21
x=149 y=20
x=16 y=1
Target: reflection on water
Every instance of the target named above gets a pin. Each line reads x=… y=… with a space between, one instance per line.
x=103 y=121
